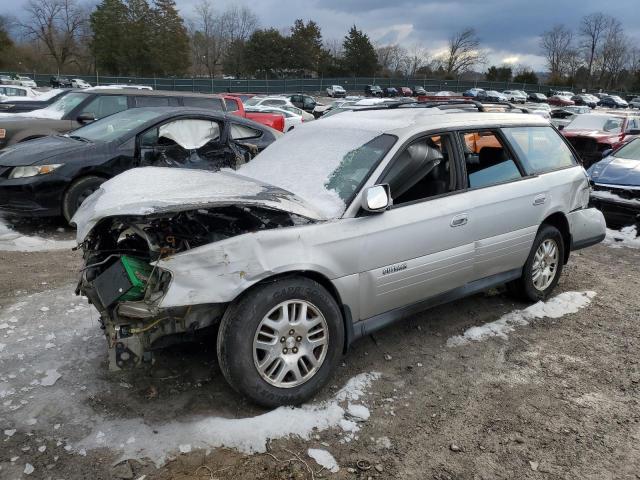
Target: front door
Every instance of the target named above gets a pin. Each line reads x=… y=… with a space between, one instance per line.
x=421 y=246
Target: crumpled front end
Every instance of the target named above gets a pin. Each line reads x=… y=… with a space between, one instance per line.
x=123 y=275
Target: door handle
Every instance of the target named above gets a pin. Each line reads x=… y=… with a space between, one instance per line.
x=539 y=199
x=459 y=220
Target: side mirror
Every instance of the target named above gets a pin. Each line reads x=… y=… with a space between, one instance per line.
x=86 y=118
x=560 y=127
x=376 y=198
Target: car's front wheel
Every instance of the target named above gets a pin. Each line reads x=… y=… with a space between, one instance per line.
x=279 y=342
x=543 y=268
x=77 y=193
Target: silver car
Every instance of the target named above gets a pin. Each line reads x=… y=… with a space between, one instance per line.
x=338 y=229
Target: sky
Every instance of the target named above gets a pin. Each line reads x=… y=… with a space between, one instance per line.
x=508 y=29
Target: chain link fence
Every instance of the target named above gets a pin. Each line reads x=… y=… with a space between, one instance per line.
x=353 y=85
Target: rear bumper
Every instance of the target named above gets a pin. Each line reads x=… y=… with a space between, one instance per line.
x=587 y=228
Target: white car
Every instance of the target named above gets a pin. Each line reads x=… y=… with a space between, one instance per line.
x=291 y=120
x=306 y=116
x=26 y=81
x=79 y=83
x=267 y=102
x=336 y=91
x=126 y=85
x=18 y=91
x=515 y=96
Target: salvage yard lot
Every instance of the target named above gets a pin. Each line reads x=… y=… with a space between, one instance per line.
x=555 y=398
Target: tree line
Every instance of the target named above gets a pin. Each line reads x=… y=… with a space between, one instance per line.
x=150 y=37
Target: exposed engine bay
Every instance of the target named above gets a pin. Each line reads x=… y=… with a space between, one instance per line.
x=121 y=281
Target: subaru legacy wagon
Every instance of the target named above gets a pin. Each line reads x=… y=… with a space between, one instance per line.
x=338 y=229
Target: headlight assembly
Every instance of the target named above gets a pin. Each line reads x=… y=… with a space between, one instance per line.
x=31 y=171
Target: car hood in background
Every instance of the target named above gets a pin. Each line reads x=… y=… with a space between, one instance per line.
x=617 y=171
x=40 y=149
x=151 y=190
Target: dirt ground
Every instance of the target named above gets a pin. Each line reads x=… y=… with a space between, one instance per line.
x=557 y=399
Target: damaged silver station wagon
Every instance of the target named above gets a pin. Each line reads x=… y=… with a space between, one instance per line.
x=336 y=230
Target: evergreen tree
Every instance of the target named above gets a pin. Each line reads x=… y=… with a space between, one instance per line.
x=359 y=55
x=170 y=47
x=526 y=76
x=108 y=23
x=498 y=74
x=138 y=52
x=6 y=44
x=305 y=45
x=267 y=52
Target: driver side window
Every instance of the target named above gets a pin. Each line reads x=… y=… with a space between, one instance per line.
x=423 y=170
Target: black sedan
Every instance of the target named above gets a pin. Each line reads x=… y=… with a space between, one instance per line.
x=53 y=175
x=613 y=101
x=59 y=82
x=586 y=100
x=536 y=97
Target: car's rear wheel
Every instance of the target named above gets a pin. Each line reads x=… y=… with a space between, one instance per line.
x=543 y=268
x=77 y=193
x=279 y=343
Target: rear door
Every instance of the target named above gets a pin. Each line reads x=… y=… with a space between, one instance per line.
x=503 y=199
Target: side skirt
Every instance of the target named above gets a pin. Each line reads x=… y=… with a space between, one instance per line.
x=372 y=324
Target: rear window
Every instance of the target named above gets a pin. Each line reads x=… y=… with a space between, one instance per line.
x=232 y=104
x=541 y=149
x=203 y=102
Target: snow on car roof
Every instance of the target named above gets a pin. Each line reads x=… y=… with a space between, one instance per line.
x=408 y=121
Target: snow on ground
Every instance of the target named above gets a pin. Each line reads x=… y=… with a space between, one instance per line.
x=558 y=306
x=625 y=237
x=51 y=392
x=324 y=459
x=13 y=241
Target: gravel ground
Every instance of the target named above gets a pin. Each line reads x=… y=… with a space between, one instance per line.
x=556 y=399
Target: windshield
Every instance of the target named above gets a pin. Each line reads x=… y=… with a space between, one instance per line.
x=60 y=107
x=114 y=126
x=630 y=151
x=596 y=122
x=325 y=167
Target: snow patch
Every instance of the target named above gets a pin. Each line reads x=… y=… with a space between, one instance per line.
x=625 y=237
x=324 y=459
x=12 y=241
x=560 y=305
x=358 y=412
x=50 y=378
x=247 y=435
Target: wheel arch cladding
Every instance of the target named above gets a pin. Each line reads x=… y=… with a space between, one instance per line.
x=347 y=321
x=559 y=220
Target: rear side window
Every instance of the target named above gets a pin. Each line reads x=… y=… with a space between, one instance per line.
x=487 y=160
x=242 y=132
x=203 y=102
x=541 y=149
x=232 y=104
x=152 y=101
x=104 y=105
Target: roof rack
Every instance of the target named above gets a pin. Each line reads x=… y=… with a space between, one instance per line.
x=447 y=104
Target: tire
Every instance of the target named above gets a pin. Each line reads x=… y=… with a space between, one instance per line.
x=525 y=288
x=77 y=193
x=243 y=324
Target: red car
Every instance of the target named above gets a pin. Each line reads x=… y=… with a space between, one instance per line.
x=405 y=91
x=236 y=107
x=592 y=134
x=560 y=101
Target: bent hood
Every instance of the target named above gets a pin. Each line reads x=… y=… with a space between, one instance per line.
x=151 y=190
x=39 y=149
x=618 y=171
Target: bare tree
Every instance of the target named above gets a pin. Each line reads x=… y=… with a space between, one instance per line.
x=212 y=33
x=556 y=45
x=417 y=57
x=334 y=47
x=614 y=54
x=463 y=52
x=592 y=29
x=57 y=24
